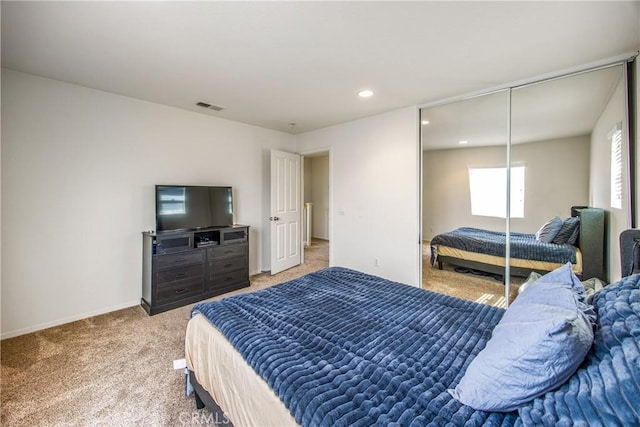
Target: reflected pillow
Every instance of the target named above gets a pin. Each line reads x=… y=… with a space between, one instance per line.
x=539 y=343
x=549 y=230
x=568 y=233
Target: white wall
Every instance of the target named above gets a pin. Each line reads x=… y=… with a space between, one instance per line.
x=317 y=192
x=307 y=178
x=320 y=197
x=307 y=194
x=78 y=173
x=600 y=197
x=375 y=205
x=556 y=178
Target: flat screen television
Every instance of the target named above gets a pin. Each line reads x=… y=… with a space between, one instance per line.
x=190 y=207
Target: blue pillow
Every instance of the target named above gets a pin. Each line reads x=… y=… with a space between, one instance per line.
x=573 y=239
x=540 y=342
x=568 y=233
x=549 y=230
x=606 y=388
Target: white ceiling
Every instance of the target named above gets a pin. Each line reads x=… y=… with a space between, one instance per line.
x=552 y=109
x=275 y=63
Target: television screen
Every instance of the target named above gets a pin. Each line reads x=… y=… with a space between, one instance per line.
x=193 y=207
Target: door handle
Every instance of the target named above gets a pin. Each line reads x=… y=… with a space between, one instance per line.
x=274 y=218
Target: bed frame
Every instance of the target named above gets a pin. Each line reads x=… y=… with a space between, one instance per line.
x=629 y=252
x=591 y=244
x=204 y=399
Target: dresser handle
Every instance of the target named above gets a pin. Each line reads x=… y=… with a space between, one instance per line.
x=181 y=275
x=181 y=291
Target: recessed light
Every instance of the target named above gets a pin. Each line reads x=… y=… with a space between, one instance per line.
x=463 y=142
x=366 y=93
x=425 y=122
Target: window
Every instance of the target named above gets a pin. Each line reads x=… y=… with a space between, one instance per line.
x=488 y=187
x=615 y=136
x=171 y=201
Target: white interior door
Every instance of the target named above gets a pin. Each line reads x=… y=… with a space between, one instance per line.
x=286 y=211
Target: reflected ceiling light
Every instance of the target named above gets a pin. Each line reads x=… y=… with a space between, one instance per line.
x=425 y=122
x=463 y=142
x=365 y=93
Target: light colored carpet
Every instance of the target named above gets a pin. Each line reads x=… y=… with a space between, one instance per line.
x=116 y=369
x=482 y=289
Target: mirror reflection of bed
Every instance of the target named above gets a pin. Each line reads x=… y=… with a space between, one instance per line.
x=560 y=156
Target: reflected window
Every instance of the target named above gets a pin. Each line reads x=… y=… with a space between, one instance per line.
x=488 y=187
x=171 y=201
x=615 y=136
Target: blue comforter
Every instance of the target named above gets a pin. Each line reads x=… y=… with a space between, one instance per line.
x=523 y=246
x=340 y=347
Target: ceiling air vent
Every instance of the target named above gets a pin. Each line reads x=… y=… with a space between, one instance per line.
x=209 y=106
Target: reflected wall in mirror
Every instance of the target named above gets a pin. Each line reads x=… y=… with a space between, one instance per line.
x=563 y=132
x=464 y=191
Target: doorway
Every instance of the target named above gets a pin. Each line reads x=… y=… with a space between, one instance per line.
x=317 y=213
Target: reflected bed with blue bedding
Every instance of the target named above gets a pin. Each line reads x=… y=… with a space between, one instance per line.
x=523 y=245
x=484 y=250
x=341 y=347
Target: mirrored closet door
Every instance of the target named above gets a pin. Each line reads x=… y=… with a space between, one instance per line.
x=499 y=167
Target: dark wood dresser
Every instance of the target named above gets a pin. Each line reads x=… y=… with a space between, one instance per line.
x=179 y=268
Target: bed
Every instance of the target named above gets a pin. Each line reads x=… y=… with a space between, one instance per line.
x=341 y=347
x=484 y=250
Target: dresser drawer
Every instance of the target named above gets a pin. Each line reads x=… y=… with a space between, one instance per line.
x=229 y=251
x=225 y=265
x=221 y=281
x=178 y=290
x=178 y=260
x=167 y=276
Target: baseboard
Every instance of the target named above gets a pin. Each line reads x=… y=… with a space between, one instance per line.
x=69 y=319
